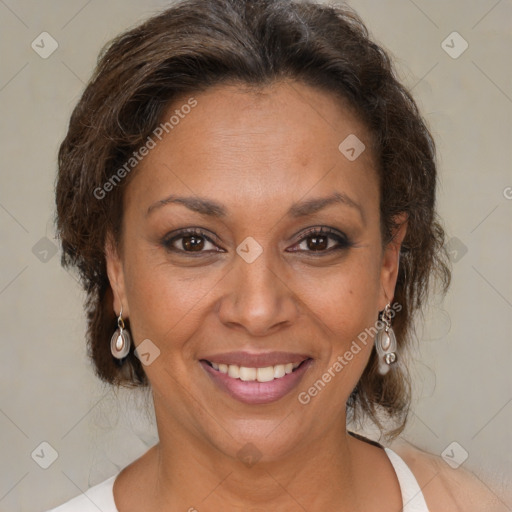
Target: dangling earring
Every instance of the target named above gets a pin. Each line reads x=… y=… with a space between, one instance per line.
x=121 y=340
x=385 y=343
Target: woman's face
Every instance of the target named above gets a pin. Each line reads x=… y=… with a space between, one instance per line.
x=256 y=176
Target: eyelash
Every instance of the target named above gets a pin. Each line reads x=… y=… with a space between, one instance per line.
x=343 y=241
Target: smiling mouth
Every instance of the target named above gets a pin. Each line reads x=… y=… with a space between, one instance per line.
x=265 y=374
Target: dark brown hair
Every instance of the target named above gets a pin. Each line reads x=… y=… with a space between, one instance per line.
x=194 y=45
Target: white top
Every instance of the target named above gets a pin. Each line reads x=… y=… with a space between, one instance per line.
x=101 y=496
x=412 y=497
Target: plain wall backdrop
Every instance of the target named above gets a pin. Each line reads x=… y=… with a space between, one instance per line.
x=48 y=392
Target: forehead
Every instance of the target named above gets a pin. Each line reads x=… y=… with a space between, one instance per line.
x=261 y=145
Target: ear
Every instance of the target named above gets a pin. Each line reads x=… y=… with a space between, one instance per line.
x=391 y=261
x=115 y=274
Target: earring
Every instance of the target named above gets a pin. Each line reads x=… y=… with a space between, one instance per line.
x=385 y=343
x=121 y=340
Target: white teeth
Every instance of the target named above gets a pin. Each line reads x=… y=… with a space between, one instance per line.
x=279 y=371
x=246 y=374
x=234 y=371
x=265 y=374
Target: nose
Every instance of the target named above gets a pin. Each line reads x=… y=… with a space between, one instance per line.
x=258 y=297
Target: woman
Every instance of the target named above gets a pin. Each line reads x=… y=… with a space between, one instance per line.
x=249 y=196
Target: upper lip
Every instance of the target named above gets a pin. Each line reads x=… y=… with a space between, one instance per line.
x=256 y=360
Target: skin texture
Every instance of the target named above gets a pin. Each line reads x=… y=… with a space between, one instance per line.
x=453 y=490
x=256 y=153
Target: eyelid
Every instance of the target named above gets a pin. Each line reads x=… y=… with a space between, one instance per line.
x=322 y=230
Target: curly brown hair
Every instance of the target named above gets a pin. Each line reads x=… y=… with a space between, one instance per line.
x=194 y=45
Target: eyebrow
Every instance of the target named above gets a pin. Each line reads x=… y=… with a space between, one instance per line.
x=211 y=208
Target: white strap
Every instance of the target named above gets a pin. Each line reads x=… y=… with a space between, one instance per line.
x=412 y=497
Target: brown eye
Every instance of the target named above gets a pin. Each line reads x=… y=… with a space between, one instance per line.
x=189 y=241
x=317 y=243
x=323 y=240
x=192 y=243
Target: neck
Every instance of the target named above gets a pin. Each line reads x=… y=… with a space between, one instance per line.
x=192 y=475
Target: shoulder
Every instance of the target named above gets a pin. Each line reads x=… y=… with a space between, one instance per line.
x=448 y=489
x=99 y=497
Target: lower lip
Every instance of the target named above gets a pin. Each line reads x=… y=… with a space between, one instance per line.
x=254 y=392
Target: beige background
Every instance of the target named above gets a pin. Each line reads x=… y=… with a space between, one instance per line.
x=48 y=391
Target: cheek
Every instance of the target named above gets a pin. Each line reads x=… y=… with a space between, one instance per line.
x=344 y=306
x=345 y=297
x=347 y=304
x=165 y=301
